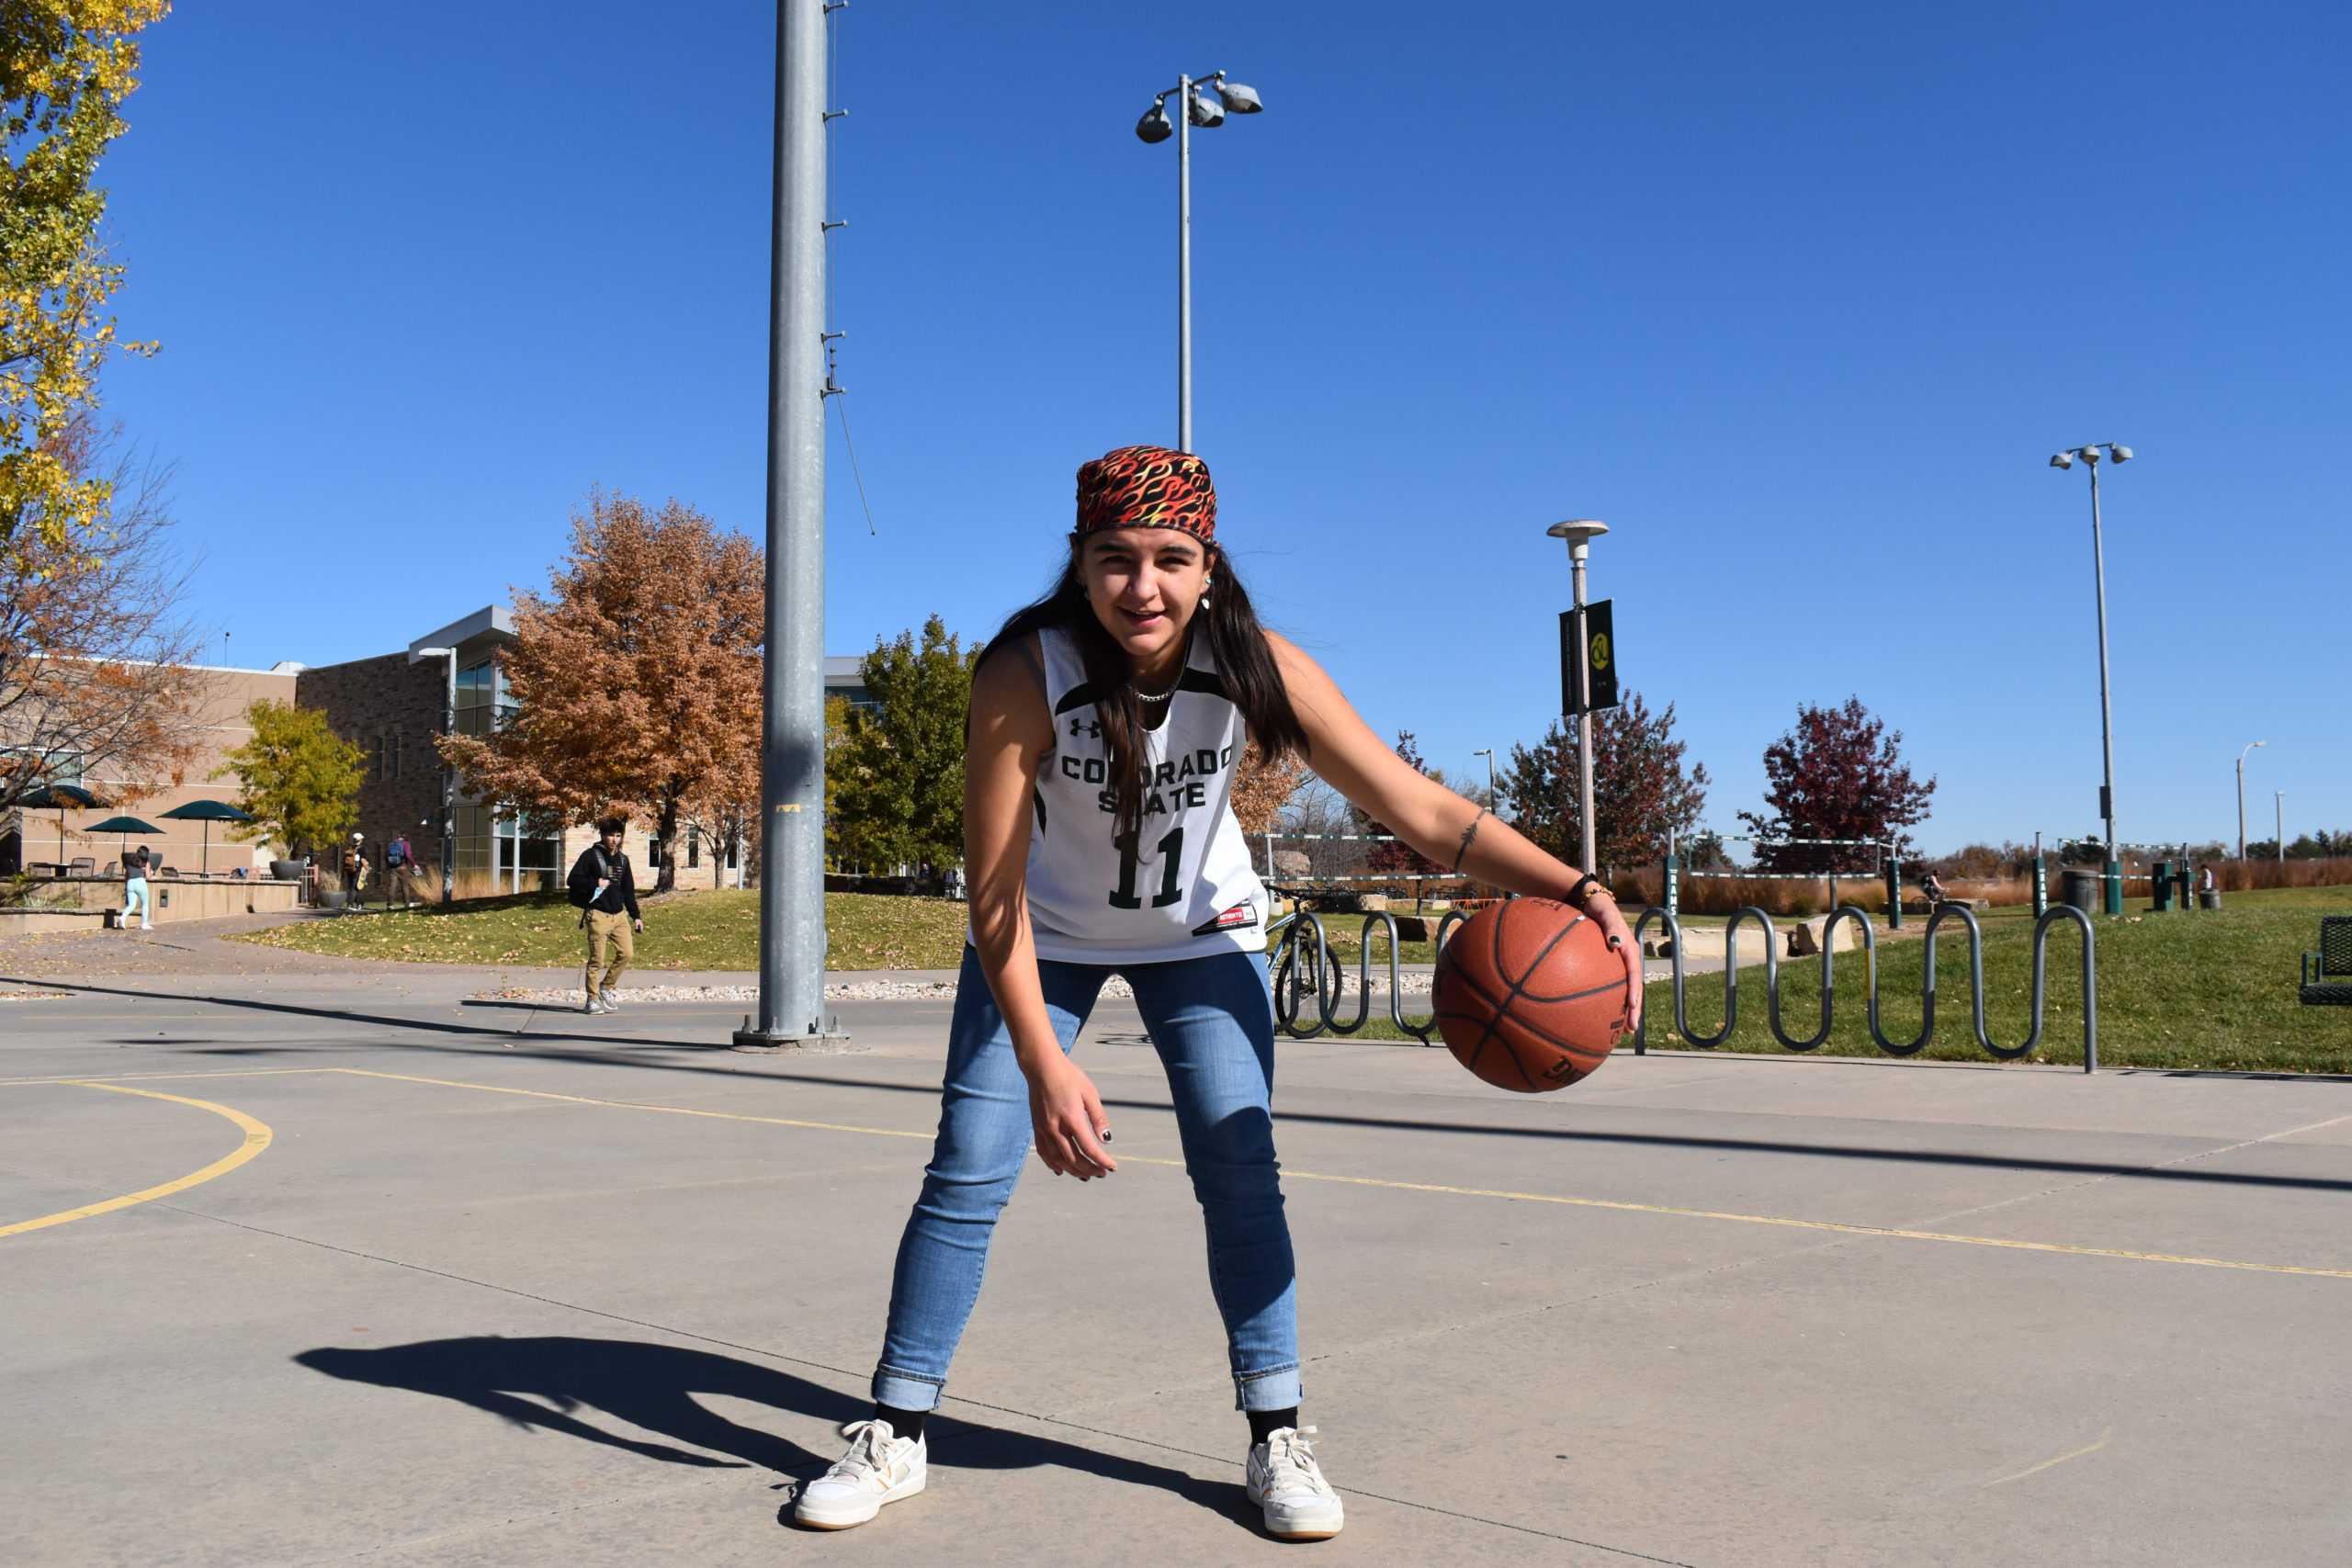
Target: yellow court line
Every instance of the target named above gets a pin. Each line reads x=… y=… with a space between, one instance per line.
x=257 y=1138
x=1833 y=1226
x=97 y=1079
x=633 y=1104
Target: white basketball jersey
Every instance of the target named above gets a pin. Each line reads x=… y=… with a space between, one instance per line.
x=1190 y=890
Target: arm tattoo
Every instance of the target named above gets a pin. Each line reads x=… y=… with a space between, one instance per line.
x=1468 y=834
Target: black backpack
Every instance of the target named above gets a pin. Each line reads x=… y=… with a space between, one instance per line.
x=583 y=895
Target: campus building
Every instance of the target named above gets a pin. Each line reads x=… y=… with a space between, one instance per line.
x=42 y=838
x=393 y=706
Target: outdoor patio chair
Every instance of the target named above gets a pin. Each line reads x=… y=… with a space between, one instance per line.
x=84 y=865
x=167 y=871
x=2327 y=973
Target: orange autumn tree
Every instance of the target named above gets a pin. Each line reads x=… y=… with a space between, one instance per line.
x=635 y=678
x=1261 y=792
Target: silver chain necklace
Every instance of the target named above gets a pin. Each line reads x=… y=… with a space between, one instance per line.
x=1144 y=697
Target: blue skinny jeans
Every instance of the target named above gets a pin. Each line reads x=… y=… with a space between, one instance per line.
x=1212 y=1019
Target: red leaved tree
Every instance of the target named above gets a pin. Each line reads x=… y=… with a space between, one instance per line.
x=636 y=679
x=1839 y=773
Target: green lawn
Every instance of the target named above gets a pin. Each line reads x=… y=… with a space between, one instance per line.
x=683 y=931
x=2211 y=990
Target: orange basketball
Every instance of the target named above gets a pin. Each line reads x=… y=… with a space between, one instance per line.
x=1530 y=994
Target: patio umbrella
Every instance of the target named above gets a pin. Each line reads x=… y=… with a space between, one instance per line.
x=126 y=826
x=59 y=795
x=207 y=812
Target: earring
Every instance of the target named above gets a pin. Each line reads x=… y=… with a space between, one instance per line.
x=1204 y=601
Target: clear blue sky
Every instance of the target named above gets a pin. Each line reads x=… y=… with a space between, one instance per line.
x=1799 y=300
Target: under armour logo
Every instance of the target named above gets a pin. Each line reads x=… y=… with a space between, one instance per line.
x=1091 y=728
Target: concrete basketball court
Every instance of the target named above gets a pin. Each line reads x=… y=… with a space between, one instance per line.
x=395 y=1276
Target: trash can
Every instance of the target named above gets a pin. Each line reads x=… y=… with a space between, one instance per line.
x=2208 y=898
x=2079 y=886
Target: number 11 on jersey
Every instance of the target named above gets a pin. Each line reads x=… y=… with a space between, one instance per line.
x=1171 y=850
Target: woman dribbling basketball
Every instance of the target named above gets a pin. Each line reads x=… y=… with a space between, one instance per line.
x=1106 y=722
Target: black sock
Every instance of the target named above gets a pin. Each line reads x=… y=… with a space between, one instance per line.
x=1263 y=1424
x=903 y=1423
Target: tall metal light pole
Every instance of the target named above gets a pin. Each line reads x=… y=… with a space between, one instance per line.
x=1579 y=533
x=2241 y=751
x=1488 y=753
x=792 y=734
x=1207 y=113
x=2112 y=873
x=449 y=776
x=2281 y=829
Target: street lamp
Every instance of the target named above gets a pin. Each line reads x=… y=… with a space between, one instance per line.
x=1488 y=753
x=2242 y=750
x=1155 y=127
x=1580 y=533
x=448 y=776
x=2281 y=829
x=2113 y=871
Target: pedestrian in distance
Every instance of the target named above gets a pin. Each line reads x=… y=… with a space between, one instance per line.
x=1106 y=721
x=605 y=890
x=354 y=869
x=135 y=891
x=400 y=870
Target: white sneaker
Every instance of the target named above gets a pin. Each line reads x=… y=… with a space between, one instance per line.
x=879 y=1468
x=595 y=1005
x=1285 y=1480
x=610 y=1004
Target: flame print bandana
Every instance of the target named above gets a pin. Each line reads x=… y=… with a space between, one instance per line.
x=1147 y=487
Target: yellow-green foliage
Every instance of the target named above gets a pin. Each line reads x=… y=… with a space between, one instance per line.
x=300 y=781
x=66 y=68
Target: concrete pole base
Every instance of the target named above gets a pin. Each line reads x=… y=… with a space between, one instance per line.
x=821 y=1037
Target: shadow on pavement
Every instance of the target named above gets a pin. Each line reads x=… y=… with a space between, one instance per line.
x=607 y=1057
x=655 y=1387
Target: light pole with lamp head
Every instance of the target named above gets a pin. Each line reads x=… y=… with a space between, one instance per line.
x=2281 y=829
x=2241 y=751
x=2112 y=873
x=1488 y=753
x=1580 y=533
x=1208 y=113
x=448 y=774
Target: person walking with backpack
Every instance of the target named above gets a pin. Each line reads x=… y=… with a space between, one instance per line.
x=400 y=867
x=603 y=889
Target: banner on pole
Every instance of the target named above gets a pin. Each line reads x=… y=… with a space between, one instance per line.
x=1600 y=640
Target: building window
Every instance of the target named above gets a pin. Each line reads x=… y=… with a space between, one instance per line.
x=474 y=830
x=474 y=697
x=396 y=754
x=378 y=772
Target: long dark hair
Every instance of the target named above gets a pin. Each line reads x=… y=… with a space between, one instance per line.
x=1243 y=663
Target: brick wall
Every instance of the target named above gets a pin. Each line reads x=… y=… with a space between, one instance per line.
x=392 y=711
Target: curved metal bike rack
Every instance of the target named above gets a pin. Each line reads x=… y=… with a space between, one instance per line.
x=1941 y=913
x=1304 y=964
